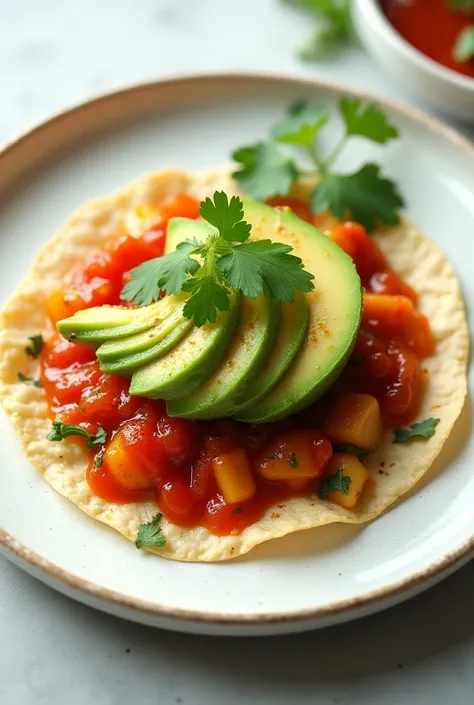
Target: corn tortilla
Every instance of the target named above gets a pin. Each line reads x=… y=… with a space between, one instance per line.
x=63 y=465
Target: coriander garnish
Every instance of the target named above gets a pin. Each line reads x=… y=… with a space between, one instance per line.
x=150 y=534
x=423 y=429
x=227 y=261
x=292 y=462
x=37 y=344
x=338 y=482
x=267 y=170
x=24 y=378
x=61 y=430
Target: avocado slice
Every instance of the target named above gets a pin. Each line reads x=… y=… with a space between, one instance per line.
x=335 y=308
x=290 y=336
x=127 y=364
x=191 y=361
x=94 y=326
x=124 y=347
x=244 y=358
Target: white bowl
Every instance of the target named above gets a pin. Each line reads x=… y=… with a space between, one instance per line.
x=447 y=91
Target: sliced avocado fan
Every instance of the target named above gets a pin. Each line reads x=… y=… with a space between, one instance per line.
x=243 y=361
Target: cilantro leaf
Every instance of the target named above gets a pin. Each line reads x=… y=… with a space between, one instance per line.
x=333 y=27
x=338 y=482
x=265 y=170
x=99 y=460
x=464 y=47
x=150 y=534
x=37 y=344
x=349 y=448
x=226 y=260
x=61 y=430
x=365 y=196
x=207 y=297
x=423 y=429
x=226 y=216
x=23 y=378
x=168 y=273
x=366 y=120
x=303 y=121
x=293 y=462
x=265 y=267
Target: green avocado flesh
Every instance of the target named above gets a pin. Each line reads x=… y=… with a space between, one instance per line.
x=334 y=308
x=192 y=361
x=94 y=326
x=261 y=360
x=248 y=351
x=290 y=335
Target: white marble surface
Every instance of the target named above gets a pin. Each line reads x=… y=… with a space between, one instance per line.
x=54 y=651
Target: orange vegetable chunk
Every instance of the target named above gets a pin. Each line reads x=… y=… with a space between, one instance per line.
x=353 y=468
x=355 y=419
x=234 y=476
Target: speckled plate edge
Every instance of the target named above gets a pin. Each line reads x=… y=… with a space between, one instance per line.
x=23 y=153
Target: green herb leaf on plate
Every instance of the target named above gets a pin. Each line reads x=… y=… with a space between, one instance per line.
x=37 y=344
x=423 y=429
x=35 y=382
x=337 y=482
x=61 y=430
x=366 y=120
x=364 y=195
x=301 y=124
x=265 y=171
x=150 y=534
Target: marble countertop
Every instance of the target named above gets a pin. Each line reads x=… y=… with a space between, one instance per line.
x=54 y=651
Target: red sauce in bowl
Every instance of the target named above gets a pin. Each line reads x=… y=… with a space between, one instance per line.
x=433 y=27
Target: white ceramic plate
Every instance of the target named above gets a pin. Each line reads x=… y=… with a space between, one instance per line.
x=306 y=580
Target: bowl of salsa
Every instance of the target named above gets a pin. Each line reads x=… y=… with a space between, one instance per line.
x=427 y=45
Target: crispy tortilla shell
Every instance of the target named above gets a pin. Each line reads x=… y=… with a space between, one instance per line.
x=63 y=465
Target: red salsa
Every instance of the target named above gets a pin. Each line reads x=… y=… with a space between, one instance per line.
x=188 y=466
x=433 y=27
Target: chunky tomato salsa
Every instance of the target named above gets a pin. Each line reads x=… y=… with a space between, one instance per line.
x=224 y=474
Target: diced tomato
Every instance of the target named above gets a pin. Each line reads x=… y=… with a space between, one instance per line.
x=202 y=477
x=389 y=282
x=59 y=352
x=221 y=437
x=66 y=386
x=109 y=401
x=179 y=206
x=156 y=237
x=367 y=256
x=178 y=503
x=176 y=438
x=395 y=318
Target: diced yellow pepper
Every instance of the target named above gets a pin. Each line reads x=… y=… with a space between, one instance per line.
x=234 y=476
x=121 y=463
x=353 y=468
x=355 y=419
x=139 y=220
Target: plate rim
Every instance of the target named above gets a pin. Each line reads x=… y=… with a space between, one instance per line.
x=371 y=600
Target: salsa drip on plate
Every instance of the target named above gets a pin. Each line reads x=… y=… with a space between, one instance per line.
x=223 y=474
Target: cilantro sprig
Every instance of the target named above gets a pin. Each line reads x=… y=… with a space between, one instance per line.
x=226 y=260
x=61 y=430
x=337 y=482
x=423 y=429
x=333 y=27
x=266 y=169
x=36 y=345
x=150 y=534
x=25 y=378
